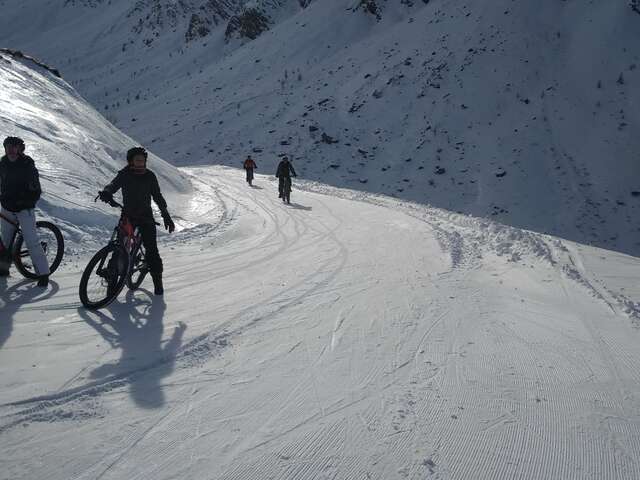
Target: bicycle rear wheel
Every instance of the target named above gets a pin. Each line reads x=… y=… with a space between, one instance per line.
x=52 y=244
x=287 y=191
x=138 y=270
x=104 y=277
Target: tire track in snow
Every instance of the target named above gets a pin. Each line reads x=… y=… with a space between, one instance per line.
x=194 y=353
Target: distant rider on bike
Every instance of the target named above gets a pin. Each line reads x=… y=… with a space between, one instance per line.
x=284 y=172
x=139 y=185
x=19 y=192
x=249 y=165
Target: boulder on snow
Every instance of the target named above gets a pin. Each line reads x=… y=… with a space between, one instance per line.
x=328 y=139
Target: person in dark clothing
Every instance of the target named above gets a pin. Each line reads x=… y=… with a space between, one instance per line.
x=19 y=192
x=284 y=173
x=139 y=185
x=249 y=165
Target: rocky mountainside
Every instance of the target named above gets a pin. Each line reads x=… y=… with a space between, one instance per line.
x=523 y=113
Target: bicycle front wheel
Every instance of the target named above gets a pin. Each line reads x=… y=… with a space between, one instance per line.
x=52 y=244
x=104 y=277
x=138 y=270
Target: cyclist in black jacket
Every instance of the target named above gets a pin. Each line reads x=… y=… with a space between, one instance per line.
x=139 y=185
x=284 y=172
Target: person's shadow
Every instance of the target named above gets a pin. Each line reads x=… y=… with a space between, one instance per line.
x=257 y=187
x=136 y=328
x=14 y=297
x=297 y=206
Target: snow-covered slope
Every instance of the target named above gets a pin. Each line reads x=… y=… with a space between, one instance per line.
x=76 y=150
x=347 y=336
x=510 y=109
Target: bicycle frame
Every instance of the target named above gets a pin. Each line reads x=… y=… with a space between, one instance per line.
x=127 y=234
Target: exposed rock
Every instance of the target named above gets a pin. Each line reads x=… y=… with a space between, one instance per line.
x=18 y=54
x=249 y=24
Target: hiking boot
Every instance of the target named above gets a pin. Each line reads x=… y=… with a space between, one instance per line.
x=43 y=281
x=158 y=289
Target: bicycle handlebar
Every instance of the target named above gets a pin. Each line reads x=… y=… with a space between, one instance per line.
x=112 y=202
x=115 y=204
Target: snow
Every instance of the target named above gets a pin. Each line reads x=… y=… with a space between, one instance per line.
x=519 y=103
x=76 y=150
x=348 y=335
x=290 y=344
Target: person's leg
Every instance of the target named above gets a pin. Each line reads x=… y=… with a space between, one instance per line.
x=27 y=220
x=280 y=186
x=7 y=231
x=150 y=242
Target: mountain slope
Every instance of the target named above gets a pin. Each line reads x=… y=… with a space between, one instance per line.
x=347 y=335
x=76 y=150
x=484 y=108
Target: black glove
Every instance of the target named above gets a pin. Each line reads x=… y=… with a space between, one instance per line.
x=106 y=197
x=168 y=223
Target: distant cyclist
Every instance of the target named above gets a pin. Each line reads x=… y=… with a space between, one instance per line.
x=19 y=192
x=249 y=165
x=284 y=173
x=139 y=185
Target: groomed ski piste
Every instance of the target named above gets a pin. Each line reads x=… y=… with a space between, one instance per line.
x=344 y=336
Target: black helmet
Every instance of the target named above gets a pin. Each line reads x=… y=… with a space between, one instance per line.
x=14 y=141
x=132 y=152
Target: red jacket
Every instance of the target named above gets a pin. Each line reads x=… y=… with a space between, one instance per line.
x=249 y=163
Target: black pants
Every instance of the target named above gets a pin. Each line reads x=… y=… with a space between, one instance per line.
x=149 y=240
x=249 y=174
x=284 y=185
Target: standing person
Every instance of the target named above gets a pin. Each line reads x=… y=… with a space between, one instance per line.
x=19 y=192
x=139 y=185
x=284 y=172
x=249 y=165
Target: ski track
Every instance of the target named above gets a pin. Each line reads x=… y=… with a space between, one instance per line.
x=450 y=384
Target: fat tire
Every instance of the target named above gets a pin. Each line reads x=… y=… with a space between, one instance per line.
x=103 y=253
x=17 y=257
x=136 y=276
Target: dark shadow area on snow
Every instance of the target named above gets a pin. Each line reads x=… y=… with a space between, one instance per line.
x=136 y=328
x=256 y=187
x=297 y=206
x=14 y=297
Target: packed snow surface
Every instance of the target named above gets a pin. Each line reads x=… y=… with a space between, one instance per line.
x=338 y=337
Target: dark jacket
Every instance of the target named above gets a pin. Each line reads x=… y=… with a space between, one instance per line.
x=137 y=191
x=19 y=183
x=285 y=170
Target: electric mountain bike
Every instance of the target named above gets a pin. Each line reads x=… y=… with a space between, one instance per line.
x=51 y=241
x=121 y=262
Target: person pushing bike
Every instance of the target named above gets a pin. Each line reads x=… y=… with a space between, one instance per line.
x=139 y=185
x=19 y=192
